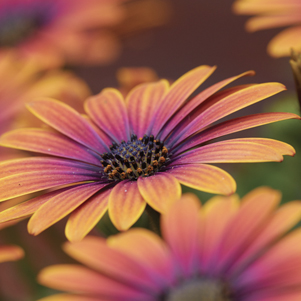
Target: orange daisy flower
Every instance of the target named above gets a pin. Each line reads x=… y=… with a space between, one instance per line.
x=227 y=250
x=24 y=80
x=129 y=153
x=274 y=13
x=56 y=31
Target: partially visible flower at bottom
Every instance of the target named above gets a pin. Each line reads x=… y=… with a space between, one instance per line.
x=226 y=250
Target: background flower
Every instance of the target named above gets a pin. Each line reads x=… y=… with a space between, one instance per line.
x=226 y=250
x=133 y=152
x=24 y=80
x=274 y=13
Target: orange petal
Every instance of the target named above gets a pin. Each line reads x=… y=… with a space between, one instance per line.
x=232 y=151
x=10 y=253
x=76 y=278
x=83 y=219
x=142 y=103
x=103 y=107
x=65 y=297
x=180 y=229
x=282 y=43
x=47 y=142
x=149 y=250
x=160 y=190
x=67 y=121
x=204 y=177
x=115 y=264
x=178 y=93
x=125 y=204
x=60 y=205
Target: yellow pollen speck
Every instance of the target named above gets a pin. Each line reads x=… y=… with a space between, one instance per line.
x=129 y=171
x=162 y=160
x=108 y=168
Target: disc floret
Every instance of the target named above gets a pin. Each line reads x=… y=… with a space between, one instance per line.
x=136 y=158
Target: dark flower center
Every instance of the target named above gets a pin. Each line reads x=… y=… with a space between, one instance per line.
x=133 y=159
x=199 y=290
x=18 y=22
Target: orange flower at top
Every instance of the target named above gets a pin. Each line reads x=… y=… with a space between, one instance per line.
x=274 y=13
x=55 y=31
x=24 y=80
x=227 y=250
x=127 y=153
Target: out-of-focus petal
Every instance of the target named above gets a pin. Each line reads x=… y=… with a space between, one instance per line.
x=149 y=250
x=282 y=43
x=68 y=297
x=233 y=126
x=216 y=215
x=180 y=229
x=67 y=121
x=125 y=204
x=48 y=142
x=178 y=93
x=60 y=205
x=76 y=278
x=204 y=177
x=95 y=253
x=142 y=103
x=87 y=215
x=256 y=209
x=108 y=111
x=10 y=253
x=160 y=191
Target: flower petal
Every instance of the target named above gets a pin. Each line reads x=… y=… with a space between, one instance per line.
x=215 y=214
x=224 y=103
x=282 y=43
x=48 y=142
x=84 y=218
x=108 y=111
x=234 y=151
x=149 y=250
x=204 y=177
x=60 y=205
x=125 y=204
x=23 y=176
x=76 y=278
x=256 y=209
x=196 y=101
x=68 y=297
x=283 y=220
x=142 y=103
x=96 y=254
x=160 y=190
x=180 y=229
x=29 y=207
x=67 y=121
x=233 y=126
x=10 y=253
x=178 y=93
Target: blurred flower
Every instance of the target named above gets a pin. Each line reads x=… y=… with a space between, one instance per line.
x=129 y=153
x=274 y=13
x=10 y=253
x=55 y=31
x=24 y=80
x=130 y=77
x=226 y=250
x=295 y=63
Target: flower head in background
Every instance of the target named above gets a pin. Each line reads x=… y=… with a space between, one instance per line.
x=272 y=14
x=56 y=31
x=227 y=250
x=127 y=153
x=24 y=80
